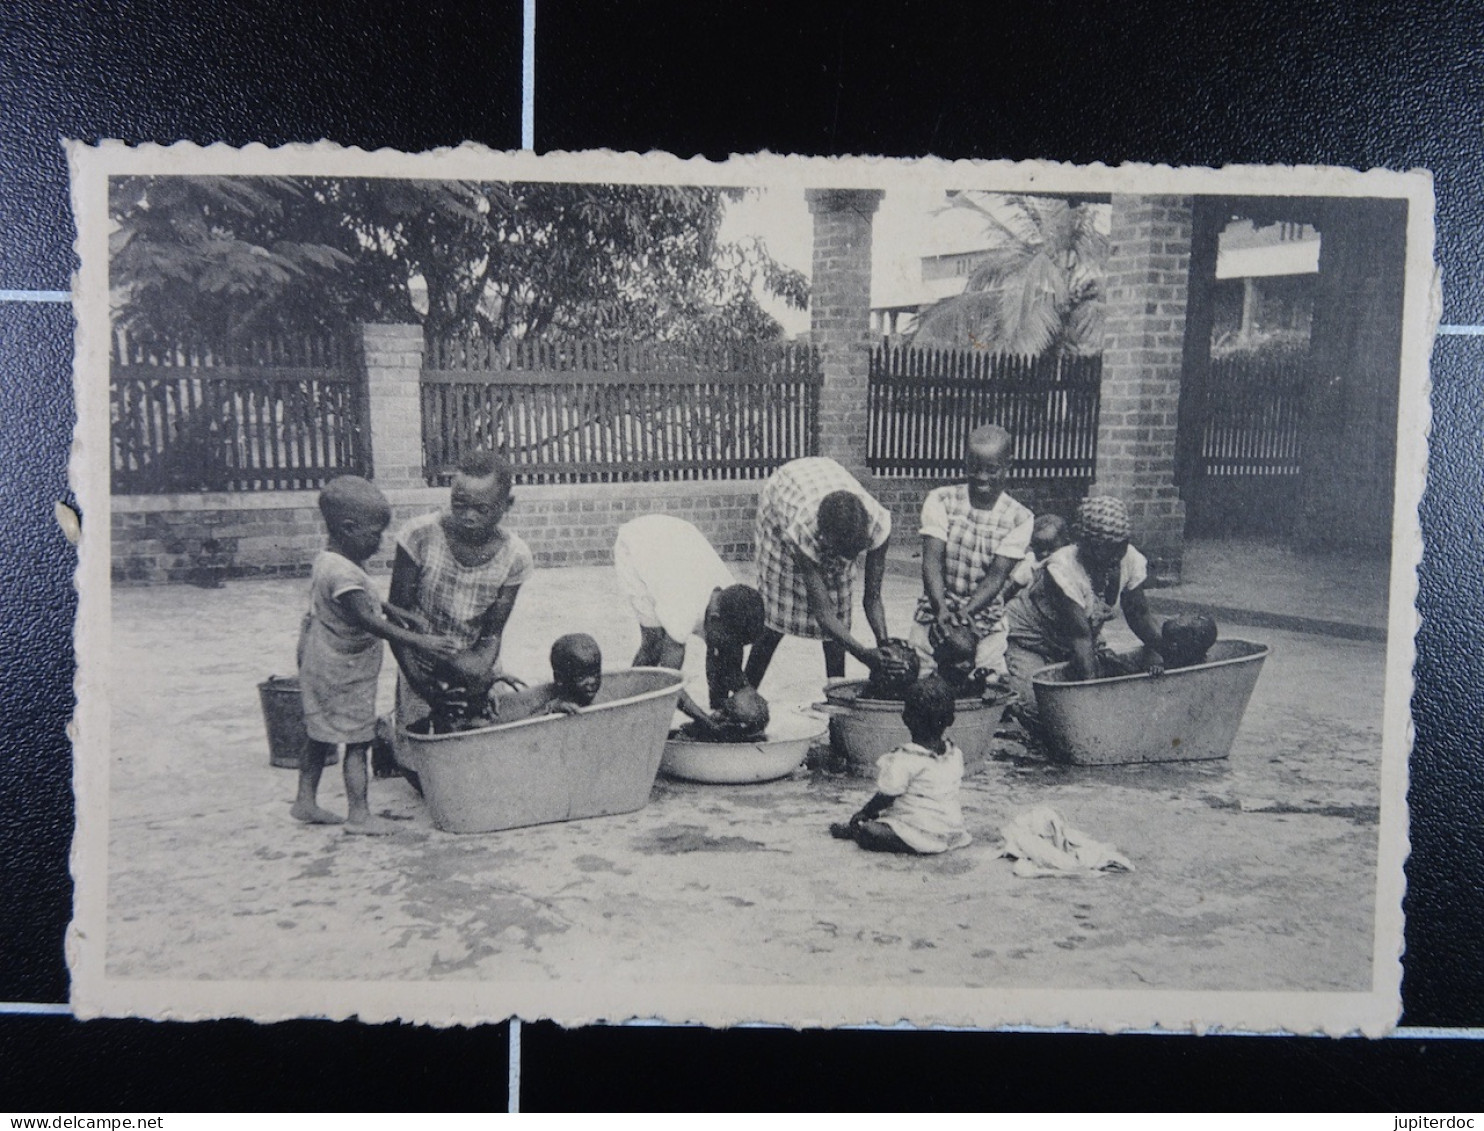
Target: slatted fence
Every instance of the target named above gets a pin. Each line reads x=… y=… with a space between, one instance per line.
x=280 y=414
x=596 y=412
x=1254 y=417
x=924 y=402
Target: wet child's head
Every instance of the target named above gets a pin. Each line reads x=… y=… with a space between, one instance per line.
x=745 y=712
x=577 y=668
x=987 y=464
x=844 y=525
x=928 y=709
x=1049 y=534
x=356 y=515
x=1101 y=530
x=1184 y=640
x=892 y=679
x=478 y=498
x=736 y=618
x=954 y=649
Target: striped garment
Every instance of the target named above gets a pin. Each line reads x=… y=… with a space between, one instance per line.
x=788 y=526
x=453 y=597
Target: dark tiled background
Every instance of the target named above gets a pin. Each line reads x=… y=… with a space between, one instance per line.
x=1385 y=84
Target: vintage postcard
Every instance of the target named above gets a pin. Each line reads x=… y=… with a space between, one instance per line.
x=806 y=591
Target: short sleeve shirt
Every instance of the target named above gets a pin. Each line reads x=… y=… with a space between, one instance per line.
x=669 y=571
x=926 y=813
x=452 y=596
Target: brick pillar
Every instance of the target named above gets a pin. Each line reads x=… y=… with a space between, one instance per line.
x=840 y=318
x=393 y=356
x=1143 y=344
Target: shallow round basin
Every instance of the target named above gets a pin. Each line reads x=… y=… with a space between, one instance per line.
x=861 y=730
x=777 y=754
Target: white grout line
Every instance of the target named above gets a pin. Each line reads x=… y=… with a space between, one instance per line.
x=35 y=1007
x=528 y=77
x=514 y=1079
x=35 y=296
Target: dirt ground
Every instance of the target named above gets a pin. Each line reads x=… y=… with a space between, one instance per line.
x=1252 y=873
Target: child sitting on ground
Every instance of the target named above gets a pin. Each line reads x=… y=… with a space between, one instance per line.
x=340 y=652
x=576 y=672
x=915 y=808
x=1184 y=640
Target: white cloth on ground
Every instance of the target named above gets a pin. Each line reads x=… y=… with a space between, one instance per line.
x=1041 y=843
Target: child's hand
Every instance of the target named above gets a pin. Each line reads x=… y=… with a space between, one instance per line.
x=444 y=647
x=562 y=707
x=1156 y=665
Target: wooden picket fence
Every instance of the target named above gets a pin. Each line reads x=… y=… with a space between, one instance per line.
x=278 y=414
x=924 y=402
x=1254 y=417
x=597 y=412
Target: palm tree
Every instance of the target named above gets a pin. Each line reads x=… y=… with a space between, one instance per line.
x=1037 y=289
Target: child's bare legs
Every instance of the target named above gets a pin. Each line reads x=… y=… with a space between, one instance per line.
x=873 y=836
x=306 y=805
x=356 y=783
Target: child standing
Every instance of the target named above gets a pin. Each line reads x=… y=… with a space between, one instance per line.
x=340 y=651
x=915 y=808
x=973 y=535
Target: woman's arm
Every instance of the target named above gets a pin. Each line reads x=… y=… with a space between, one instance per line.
x=934 y=567
x=871 y=600
x=879 y=803
x=1141 y=620
x=475 y=667
x=824 y=612
x=1072 y=621
x=989 y=588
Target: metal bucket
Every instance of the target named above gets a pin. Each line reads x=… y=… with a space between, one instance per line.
x=547 y=768
x=283 y=716
x=861 y=730
x=1186 y=715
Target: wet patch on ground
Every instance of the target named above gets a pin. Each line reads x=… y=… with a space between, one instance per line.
x=676 y=840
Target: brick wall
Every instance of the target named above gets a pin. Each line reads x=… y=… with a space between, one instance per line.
x=840 y=317
x=159 y=538
x=1143 y=346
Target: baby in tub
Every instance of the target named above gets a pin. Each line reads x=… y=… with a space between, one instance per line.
x=1184 y=640
x=576 y=673
x=577 y=676
x=743 y=715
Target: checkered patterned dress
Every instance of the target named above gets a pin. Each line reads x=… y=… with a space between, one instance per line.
x=788 y=525
x=454 y=597
x=973 y=538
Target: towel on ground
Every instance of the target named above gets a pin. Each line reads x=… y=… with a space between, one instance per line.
x=1041 y=843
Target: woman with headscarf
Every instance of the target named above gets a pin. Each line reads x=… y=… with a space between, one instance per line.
x=1081 y=587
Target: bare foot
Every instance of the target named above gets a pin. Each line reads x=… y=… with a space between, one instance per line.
x=314 y=815
x=372 y=826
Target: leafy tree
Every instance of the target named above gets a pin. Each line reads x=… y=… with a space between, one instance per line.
x=502 y=261
x=1037 y=288
x=221 y=257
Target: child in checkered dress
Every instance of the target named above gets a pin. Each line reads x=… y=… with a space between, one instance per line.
x=973 y=536
x=460 y=572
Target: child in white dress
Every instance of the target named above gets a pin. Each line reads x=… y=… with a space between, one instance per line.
x=915 y=809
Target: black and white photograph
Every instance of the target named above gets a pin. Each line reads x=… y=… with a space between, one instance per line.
x=784 y=590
